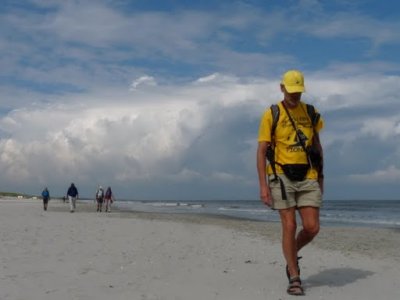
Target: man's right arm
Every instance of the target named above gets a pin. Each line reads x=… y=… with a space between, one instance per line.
x=265 y=194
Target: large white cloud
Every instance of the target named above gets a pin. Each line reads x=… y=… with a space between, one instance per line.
x=141 y=134
x=202 y=131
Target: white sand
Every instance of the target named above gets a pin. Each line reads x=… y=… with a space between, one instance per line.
x=88 y=255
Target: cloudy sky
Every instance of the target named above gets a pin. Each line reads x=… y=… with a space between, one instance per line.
x=162 y=99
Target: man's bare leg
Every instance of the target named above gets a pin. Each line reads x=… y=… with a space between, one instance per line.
x=310 y=220
x=289 y=243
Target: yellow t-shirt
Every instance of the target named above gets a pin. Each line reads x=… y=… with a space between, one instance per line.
x=288 y=149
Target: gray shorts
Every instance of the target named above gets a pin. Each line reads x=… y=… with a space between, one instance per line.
x=299 y=193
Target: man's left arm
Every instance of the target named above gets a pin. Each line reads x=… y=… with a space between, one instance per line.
x=320 y=169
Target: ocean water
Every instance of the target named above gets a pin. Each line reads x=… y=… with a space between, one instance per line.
x=369 y=213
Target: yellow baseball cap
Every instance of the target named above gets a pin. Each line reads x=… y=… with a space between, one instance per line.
x=293 y=80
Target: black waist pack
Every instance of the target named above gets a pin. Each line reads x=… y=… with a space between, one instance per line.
x=296 y=172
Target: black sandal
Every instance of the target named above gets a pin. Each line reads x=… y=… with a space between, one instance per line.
x=295 y=288
x=298 y=268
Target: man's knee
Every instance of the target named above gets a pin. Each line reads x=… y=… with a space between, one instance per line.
x=288 y=219
x=311 y=229
x=290 y=226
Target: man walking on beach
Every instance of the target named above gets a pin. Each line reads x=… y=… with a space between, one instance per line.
x=99 y=198
x=109 y=199
x=288 y=138
x=45 y=197
x=72 y=195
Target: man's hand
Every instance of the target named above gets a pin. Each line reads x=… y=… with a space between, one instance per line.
x=265 y=196
x=321 y=184
x=265 y=193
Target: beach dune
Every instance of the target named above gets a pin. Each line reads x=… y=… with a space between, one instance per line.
x=123 y=255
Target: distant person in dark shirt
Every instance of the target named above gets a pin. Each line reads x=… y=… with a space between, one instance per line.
x=72 y=195
x=109 y=198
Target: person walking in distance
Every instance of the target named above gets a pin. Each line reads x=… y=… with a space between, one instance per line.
x=292 y=181
x=99 y=198
x=72 y=195
x=45 y=197
x=108 y=198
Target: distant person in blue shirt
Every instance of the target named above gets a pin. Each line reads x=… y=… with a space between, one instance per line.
x=46 y=197
x=72 y=195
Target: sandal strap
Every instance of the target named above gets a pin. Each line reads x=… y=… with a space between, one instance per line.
x=298 y=267
x=295 y=287
x=295 y=279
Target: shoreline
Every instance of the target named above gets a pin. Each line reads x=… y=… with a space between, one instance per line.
x=334 y=214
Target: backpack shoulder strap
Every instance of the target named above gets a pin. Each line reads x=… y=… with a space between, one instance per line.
x=275 y=117
x=314 y=116
x=275 y=111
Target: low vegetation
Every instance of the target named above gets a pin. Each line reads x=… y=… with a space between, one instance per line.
x=13 y=194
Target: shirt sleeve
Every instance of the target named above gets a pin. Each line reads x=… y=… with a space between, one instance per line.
x=320 y=125
x=264 y=131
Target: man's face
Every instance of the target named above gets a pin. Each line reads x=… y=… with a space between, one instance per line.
x=291 y=97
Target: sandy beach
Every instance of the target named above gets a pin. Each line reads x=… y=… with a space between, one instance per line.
x=55 y=254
